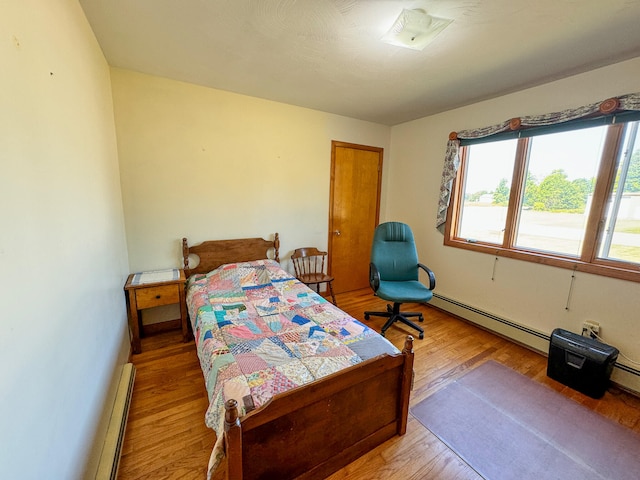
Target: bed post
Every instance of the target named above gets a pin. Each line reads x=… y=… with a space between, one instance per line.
x=185 y=255
x=233 y=440
x=276 y=246
x=407 y=384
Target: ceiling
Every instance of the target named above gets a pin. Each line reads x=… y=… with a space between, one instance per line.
x=327 y=54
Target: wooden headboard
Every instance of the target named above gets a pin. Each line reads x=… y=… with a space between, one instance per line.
x=214 y=253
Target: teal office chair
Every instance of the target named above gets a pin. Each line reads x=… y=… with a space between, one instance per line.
x=393 y=274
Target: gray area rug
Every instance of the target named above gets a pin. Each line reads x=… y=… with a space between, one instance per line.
x=507 y=426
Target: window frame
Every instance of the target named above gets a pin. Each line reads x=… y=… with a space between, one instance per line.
x=588 y=260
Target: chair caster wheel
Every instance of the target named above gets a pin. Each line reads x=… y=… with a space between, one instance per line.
x=366 y=316
x=421 y=318
x=421 y=336
x=382 y=334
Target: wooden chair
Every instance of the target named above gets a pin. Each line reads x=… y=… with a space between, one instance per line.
x=308 y=263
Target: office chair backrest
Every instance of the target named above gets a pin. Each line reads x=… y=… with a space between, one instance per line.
x=394 y=252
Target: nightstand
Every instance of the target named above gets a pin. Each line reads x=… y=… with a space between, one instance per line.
x=154 y=289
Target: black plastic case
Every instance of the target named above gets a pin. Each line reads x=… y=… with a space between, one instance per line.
x=580 y=362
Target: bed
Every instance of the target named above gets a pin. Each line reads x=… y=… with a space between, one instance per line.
x=297 y=388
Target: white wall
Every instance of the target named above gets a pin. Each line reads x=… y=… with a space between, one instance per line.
x=207 y=164
x=63 y=258
x=528 y=294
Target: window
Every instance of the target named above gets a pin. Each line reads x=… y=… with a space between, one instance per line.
x=565 y=195
x=488 y=171
x=621 y=237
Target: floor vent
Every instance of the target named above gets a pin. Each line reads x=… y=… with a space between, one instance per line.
x=110 y=457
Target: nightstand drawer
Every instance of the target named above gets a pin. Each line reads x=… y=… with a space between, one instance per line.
x=157 y=296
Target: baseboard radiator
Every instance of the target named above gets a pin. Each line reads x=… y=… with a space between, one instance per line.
x=110 y=457
x=521 y=328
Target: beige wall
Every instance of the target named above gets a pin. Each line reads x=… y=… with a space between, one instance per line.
x=63 y=258
x=209 y=164
x=528 y=294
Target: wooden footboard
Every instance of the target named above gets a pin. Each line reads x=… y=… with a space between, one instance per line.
x=313 y=431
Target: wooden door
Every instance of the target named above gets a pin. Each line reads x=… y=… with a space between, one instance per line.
x=354 y=210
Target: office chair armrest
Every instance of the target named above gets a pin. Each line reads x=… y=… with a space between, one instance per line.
x=374 y=277
x=432 y=276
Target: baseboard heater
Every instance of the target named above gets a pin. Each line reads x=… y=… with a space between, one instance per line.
x=522 y=328
x=110 y=457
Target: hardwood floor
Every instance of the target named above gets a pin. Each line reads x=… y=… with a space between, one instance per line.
x=166 y=437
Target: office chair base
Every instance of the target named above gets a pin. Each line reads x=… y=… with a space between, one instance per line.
x=394 y=315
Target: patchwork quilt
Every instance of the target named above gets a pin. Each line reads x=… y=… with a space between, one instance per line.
x=259 y=332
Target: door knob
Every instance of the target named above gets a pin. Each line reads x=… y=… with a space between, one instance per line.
x=336 y=233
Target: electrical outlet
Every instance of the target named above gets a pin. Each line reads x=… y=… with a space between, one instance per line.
x=590 y=328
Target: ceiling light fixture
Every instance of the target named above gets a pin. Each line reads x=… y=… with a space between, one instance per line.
x=415 y=29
